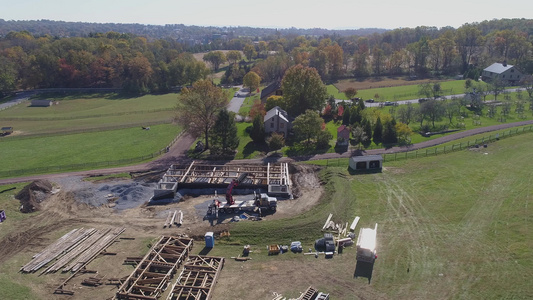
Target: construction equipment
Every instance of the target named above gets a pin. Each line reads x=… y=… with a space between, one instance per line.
x=261 y=202
x=366 y=245
x=234 y=183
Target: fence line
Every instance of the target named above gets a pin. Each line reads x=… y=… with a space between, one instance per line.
x=479 y=142
x=91 y=165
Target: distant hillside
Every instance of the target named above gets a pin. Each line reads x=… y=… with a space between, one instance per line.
x=81 y=29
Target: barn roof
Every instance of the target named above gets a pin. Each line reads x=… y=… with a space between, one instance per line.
x=366 y=158
x=498 y=68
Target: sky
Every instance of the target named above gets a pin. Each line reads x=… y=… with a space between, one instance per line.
x=332 y=14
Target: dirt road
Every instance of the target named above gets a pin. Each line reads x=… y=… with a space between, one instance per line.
x=177 y=153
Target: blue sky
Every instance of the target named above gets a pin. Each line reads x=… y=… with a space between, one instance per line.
x=333 y=14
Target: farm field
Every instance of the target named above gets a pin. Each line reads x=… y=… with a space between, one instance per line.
x=86 y=112
x=396 y=93
x=85 y=129
x=452 y=226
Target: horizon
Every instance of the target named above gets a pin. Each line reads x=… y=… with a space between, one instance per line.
x=295 y=14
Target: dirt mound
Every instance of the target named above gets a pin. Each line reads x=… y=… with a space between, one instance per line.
x=33 y=194
x=304 y=177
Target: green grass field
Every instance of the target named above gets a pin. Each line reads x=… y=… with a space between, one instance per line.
x=90 y=147
x=460 y=223
x=396 y=93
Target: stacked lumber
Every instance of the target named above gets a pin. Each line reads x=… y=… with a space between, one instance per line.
x=90 y=253
x=58 y=248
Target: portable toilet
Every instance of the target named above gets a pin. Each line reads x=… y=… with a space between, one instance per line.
x=209 y=240
x=2 y=216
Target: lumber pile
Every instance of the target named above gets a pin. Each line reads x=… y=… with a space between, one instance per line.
x=174 y=218
x=58 y=248
x=78 y=247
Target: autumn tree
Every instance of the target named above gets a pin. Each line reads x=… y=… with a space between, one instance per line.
x=252 y=81
x=307 y=125
x=303 y=89
x=350 y=92
x=249 y=51
x=198 y=108
x=468 y=38
x=215 y=58
x=224 y=132
x=274 y=101
x=404 y=133
x=257 y=109
x=233 y=56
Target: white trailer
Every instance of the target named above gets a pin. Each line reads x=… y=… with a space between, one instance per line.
x=366 y=244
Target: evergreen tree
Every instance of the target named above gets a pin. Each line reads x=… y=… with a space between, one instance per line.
x=390 y=135
x=367 y=127
x=224 y=133
x=346 y=116
x=377 y=137
x=258 y=130
x=355 y=115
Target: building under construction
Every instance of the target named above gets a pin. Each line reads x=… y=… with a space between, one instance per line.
x=274 y=178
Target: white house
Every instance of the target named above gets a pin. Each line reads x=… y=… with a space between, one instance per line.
x=277 y=120
x=506 y=73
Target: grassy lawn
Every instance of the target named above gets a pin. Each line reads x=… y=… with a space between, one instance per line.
x=29 y=153
x=459 y=222
x=247 y=148
x=395 y=93
x=89 y=112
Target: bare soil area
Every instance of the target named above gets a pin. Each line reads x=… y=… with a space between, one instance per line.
x=114 y=203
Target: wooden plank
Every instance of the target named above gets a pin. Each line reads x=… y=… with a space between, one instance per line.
x=354 y=224
x=186 y=173
x=327 y=221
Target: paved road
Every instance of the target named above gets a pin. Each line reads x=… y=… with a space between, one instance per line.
x=19 y=98
x=237 y=100
x=178 y=151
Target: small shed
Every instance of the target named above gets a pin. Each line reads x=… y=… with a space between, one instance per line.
x=343 y=135
x=41 y=103
x=366 y=163
x=2 y=216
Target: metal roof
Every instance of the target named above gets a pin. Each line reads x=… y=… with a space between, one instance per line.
x=276 y=110
x=366 y=158
x=498 y=68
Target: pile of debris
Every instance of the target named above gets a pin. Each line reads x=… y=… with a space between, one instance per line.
x=33 y=194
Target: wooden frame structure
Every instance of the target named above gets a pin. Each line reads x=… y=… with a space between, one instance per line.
x=151 y=276
x=273 y=177
x=197 y=279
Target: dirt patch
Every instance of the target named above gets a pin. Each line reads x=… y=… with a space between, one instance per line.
x=33 y=194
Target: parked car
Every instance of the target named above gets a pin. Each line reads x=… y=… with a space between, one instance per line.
x=370 y=101
x=422 y=100
x=389 y=103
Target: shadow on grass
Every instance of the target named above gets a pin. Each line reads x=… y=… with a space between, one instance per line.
x=205 y=251
x=302 y=149
x=252 y=147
